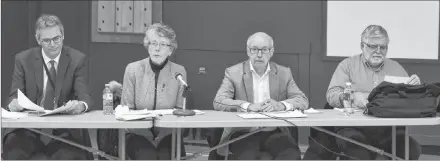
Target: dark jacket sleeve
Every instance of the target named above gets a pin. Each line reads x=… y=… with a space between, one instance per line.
x=81 y=87
x=18 y=79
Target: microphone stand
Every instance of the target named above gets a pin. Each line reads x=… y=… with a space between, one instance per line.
x=184 y=111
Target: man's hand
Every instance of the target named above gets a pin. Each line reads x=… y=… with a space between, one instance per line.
x=14 y=107
x=116 y=88
x=360 y=100
x=413 y=80
x=74 y=107
x=272 y=105
x=255 y=107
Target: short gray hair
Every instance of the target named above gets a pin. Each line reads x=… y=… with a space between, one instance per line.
x=164 y=31
x=374 y=31
x=47 y=21
x=262 y=34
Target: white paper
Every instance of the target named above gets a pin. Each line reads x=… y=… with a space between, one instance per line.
x=132 y=117
x=170 y=112
x=12 y=115
x=124 y=110
x=283 y=114
x=339 y=109
x=198 y=112
x=162 y=112
x=24 y=102
x=395 y=79
x=342 y=109
x=125 y=114
x=311 y=110
x=56 y=111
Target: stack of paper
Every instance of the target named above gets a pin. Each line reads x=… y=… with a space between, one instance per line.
x=283 y=114
x=170 y=112
x=12 y=115
x=125 y=114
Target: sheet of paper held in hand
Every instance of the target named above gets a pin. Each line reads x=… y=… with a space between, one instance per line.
x=281 y=114
x=24 y=102
x=395 y=79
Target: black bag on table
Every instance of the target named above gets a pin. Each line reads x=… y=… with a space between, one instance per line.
x=390 y=100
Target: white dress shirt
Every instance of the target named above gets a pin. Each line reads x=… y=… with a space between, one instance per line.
x=45 y=77
x=261 y=88
x=262 y=91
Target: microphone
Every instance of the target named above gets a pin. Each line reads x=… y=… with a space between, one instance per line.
x=179 y=77
x=183 y=111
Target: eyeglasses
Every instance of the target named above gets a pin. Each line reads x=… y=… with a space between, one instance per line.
x=155 y=44
x=263 y=51
x=376 y=47
x=56 y=39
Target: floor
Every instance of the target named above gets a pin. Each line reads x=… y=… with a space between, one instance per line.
x=428 y=152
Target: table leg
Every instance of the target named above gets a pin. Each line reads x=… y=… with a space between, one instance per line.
x=393 y=136
x=406 y=143
x=93 y=135
x=178 y=143
x=173 y=144
x=2 y=131
x=122 y=144
x=368 y=147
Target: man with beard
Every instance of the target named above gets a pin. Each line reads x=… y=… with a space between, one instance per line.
x=365 y=71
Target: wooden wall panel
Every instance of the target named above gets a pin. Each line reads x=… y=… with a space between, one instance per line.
x=124 y=16
x=106 y=16
x=142 y=16
x=147 y=12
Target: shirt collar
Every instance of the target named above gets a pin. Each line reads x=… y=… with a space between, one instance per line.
x=253 y=70
x=47 y=59
x=369 y=66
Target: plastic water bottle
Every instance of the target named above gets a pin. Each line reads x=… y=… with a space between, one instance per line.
x=348 y=99
x=107 y=103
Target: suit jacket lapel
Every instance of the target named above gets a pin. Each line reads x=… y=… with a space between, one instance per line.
x=273 y=82
x=38 y=68
x=248 y=82
x=61 y=72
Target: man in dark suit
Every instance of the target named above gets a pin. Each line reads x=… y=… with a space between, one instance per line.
x=51 y=76
x=259 y=85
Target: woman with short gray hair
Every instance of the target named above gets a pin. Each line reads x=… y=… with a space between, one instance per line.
x=150 y=84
